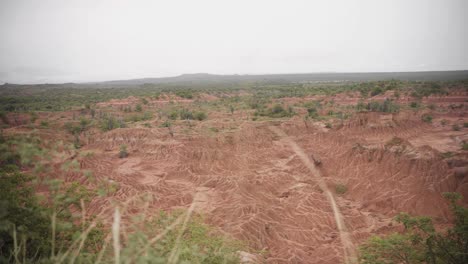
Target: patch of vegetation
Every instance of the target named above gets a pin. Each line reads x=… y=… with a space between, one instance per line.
x=138 y=108
x=414 y=105
x=340 y=189
x=426 y=118
x=187 y=94
x=44 y=124
x=166 y=124
x=123 y=151
x=200 y=116
x=464 y=145
x=186 y=114
x=54 y=229
x=447 y=155
x=376 y=91
x=173 y=115
x=110 y=122
x=387 y=106
x=420 y=242
x=456 y=127
x=276 y=111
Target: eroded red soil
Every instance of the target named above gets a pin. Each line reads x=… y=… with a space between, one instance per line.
x=256 y=180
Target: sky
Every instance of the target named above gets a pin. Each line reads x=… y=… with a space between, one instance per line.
x=95 y=40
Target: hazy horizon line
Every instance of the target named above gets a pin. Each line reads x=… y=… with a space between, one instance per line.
x=230 y=74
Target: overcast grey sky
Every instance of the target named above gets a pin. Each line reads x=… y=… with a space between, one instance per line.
x=91 y=40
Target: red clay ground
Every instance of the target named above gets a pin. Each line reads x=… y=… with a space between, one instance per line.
x=255 y=180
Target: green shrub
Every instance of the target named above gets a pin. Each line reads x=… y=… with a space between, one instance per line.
x=464 y=145
x=340 y=189
x=123 y=152
x=376 y=91
x=465 y=125
x=110 y=122
x=361 y=106
x=200 y=116
x=387 y=106
x=456 y=127
x=414 y=105
x=185 y=114
x=173 y=115
x=34 y=117
x=447 y=154
x=4 y=118
x=21 y=217
x=277 y=111
x=312 y=112
x=138 y=108
x=84 y=123
x=166 y=124
x=187 y=94
x=44 y=124
x=427 y=118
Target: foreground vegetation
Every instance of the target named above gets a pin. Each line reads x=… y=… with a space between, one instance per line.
x=52 y=226
x=421 y=242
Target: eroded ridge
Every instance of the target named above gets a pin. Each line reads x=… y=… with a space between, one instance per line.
x=349 y=251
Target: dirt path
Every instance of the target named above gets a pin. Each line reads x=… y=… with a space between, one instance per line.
x=349 y=251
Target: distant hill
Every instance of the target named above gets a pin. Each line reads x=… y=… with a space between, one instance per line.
x=299 y=77
x=206 y=78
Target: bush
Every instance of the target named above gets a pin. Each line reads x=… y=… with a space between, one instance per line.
x=388 y=106
x=361 y=106
x=456 y=127
x=414 y=104
x=427 y=118
x=138 y=108
x=4 y=118
x=110 y=122
x=277 y=111
x=123 y=152
x=312 y=112
x=166 y=124
x=376 y=91
x=44 y=124
x=464 y=145
x=173 y=115
x=340 y=189
x=200 y=116
x=184 y=94
x=21 y=216
x=465 y=124
x=185 y=114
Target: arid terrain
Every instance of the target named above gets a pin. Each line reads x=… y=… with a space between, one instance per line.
x=294 y=189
